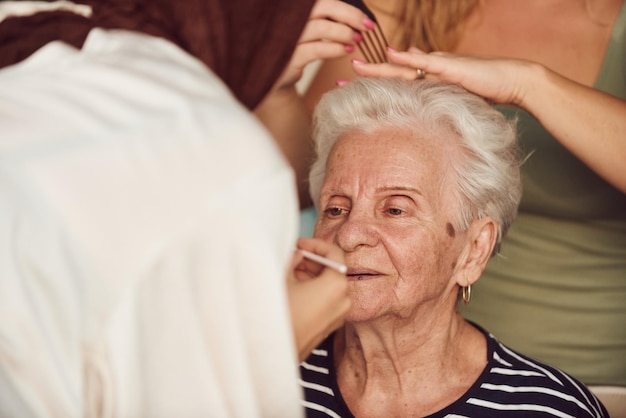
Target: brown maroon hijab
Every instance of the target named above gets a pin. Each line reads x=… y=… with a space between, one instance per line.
x=247 y=43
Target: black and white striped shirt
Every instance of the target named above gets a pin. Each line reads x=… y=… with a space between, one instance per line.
x=511 y=385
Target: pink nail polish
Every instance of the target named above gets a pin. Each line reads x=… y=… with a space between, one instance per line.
x=357 y=61
x=349 y=48
x=358 y=37
x=390 y=49
x=369 y=23
x=341 y=82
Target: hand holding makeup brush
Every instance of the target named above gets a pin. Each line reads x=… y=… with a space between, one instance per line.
x=318 y=293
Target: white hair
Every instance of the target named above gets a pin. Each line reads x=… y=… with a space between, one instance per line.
x=486 y=168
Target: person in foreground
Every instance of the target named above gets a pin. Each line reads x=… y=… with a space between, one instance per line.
x=136 y=279
x=418 y=181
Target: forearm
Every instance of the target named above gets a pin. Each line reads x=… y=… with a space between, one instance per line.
x=588 y=122
x=284 y=114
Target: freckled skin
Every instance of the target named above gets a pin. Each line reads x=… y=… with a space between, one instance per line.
x=383 y=202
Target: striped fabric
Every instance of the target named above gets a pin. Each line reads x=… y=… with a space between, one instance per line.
x=511 y=385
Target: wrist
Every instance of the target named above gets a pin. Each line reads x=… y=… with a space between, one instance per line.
x=532 y=82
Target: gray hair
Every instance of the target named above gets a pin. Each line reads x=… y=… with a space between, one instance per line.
x=486 y=168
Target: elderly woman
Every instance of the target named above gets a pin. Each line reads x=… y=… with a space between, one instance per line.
x=418 y=182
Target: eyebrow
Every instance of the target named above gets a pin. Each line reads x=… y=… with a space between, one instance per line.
x=381 y=189
x=398 y=189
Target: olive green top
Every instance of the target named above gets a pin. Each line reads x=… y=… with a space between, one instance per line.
x=557 y=292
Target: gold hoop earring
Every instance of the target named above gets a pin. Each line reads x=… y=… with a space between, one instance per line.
x=466 y=294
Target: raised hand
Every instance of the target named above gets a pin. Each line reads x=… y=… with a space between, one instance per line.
x=573 y=113
x=499 y=80
x=331 y=32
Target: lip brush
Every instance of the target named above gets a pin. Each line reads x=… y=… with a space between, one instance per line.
x=325 y=261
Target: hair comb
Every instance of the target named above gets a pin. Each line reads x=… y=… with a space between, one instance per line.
x=374 y=44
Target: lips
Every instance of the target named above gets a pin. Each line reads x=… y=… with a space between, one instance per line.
x=360 y=274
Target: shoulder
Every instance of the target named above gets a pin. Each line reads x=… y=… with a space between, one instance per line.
x=124 y=94
x=318 y=366
x=512 y=380
x=322 y=396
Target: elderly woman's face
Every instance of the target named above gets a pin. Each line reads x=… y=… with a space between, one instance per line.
x=385 y=201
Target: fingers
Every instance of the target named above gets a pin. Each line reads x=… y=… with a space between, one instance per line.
x=432 y=64
x=341 y=12
x=496 y=79
x=309 y=268
x=329 y=31
x=412 y=65
x=411 y=49
x=499 y=80
x=387 y=70
x=322 y=50
x=333 y=30
x=317 y=306
x=324 y=261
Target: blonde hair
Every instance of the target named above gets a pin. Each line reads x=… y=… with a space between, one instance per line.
x=430 y=25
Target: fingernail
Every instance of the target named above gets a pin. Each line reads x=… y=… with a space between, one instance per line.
x=369 y=23
x=358 y=37
x=357 y=61
x=349 y=48
x=341 y=82
x=390 y=49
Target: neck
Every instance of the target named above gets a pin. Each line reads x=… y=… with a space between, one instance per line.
x=426 y=365
x=397 y=344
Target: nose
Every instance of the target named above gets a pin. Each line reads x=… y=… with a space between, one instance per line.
x=357 y=230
